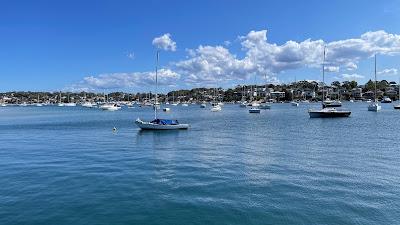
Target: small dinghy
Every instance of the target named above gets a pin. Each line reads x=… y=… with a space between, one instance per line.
x=161 y=124
x=254 y=110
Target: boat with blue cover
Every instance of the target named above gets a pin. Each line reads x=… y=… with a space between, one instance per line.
x=157 y=123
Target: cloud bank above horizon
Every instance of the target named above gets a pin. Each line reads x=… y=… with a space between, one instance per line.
x=212 y=65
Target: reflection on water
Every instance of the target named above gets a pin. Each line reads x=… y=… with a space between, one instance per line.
x=66 y=166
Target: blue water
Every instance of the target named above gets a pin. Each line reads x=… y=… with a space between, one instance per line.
x=61 y=165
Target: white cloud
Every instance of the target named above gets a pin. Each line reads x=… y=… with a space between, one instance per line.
x=126 y=80
x=227 y=43
x=392 y=71
x=165 y=42
x=331 y=68
x=131 y=55
x=352 y=77
x=211 y=63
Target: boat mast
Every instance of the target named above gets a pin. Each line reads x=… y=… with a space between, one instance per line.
x=155 y=105
x=375 y=79
x=323 y=78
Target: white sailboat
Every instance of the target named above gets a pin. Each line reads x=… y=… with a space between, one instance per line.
x=254 y=105
x=374 y=106
x=38 y=104
x=70 y=104
x=215 y=107
x=293 y=102
x=159 y=124
x=326 y=112
x=265 y=104
x=60 y=103
x=398 y=105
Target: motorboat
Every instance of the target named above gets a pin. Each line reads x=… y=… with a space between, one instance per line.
x=61 y=104
x=375 y=107
x=216 y=108
x=294 y=103
x=386 y=100
x=203 y=105
x=243 y=104
x=161 y=124
x=110 y=107
x=185 y=105
x=3 y=104
x=332 y=103
x=166 y=109
x=23 y=104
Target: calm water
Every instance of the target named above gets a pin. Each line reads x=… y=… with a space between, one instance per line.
x=65 y=166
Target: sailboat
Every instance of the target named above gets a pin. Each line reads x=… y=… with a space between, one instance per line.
x=173 y=99
x=70 y=104
x=37 y=102
x=398 y=105
x=157 y=123
x=374 y=106
x=60 y=103
x=243 y=102
x=326 y=112
x=265 y=105
x=254 y=105
x=293 y=102
x=215 y=107
x=88 y=104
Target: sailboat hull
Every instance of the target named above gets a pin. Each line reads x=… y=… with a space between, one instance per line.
x=328 y=113
x=152 y=126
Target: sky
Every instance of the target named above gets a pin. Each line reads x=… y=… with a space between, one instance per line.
x=109 y=46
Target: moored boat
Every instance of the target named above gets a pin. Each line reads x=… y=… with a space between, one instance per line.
x=157 y=123
x=374 y=106
x=161 y=124
x=327 y=112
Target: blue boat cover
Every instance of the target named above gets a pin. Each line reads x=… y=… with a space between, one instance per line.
x=165 y=122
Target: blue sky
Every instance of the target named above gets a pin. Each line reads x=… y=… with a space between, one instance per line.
x=58 y=45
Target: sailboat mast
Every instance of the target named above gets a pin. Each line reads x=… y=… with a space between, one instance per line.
x=375 y=78
x=156 y=101
x=323 y=77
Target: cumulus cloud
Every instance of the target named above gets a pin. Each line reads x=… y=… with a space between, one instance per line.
x=165 y=42
x=126 y=80
x=352 y=77
x=392 y=71
x=211 y=63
